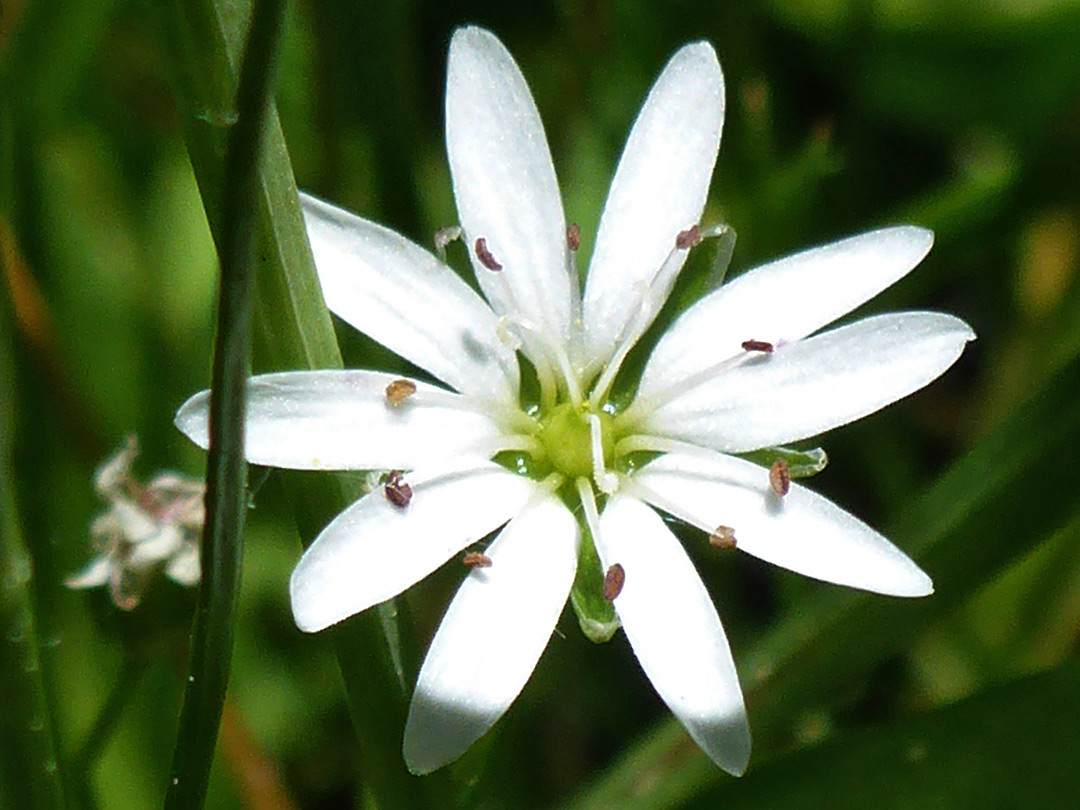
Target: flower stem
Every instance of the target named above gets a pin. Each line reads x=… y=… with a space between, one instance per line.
x=226 y=497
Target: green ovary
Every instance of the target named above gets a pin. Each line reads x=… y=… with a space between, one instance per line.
x=567 y=438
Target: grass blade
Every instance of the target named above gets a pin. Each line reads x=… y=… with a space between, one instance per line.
x=226 y=499
x=293 y=331
x=29 y=776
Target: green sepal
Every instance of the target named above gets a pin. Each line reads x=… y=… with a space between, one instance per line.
x=596 y=615
x=801 y=463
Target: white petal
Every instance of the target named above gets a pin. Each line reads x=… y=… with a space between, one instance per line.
x=112 y=475
x=505 y=184
x=659 y=190
x=492 y=635
x=374 y=549
x=132 y=522
x=184 y=568
x=801 y=531
x=93 y=575
x=673 y=627
x=805 y=388
x=341 y=420
x=402 y=296
x=784 y=301
x=161 y=545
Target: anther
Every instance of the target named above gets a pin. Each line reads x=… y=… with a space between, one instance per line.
x=444 y=236
x=396 y=490
x=758 y=346
x=484 y=255
x=474 y=559
x=723 y=537
x=573 y=236
x=780 y=477
x=614 y=580
x=689 y=238
x=400 y=390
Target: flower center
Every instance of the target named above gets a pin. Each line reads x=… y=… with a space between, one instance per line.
x=567 y=436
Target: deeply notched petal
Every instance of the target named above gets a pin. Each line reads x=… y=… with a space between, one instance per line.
x=783 y=301
x=342 y=420
x=402 y=296
x=801 y=531
x=659 y=189
x=813 y=385
x=492 y=635
x=505 y=186
x=673 y=627
x=375 y=549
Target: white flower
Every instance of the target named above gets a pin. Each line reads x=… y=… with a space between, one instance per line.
x=702 y=397
x=145 y=527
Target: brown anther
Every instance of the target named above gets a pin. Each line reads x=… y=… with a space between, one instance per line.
x=780 y=477
x=400 y=390
x=474 y=559
x=614 y=580
x=758 y=346
x=723 y=537
x=484 y=255
x=689 y=238
x=397 y=491
x=573 y=236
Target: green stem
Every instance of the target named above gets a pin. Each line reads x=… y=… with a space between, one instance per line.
x=226 y=479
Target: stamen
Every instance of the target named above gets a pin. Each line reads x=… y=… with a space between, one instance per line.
x=607 y=482
x=653 y=293
x=396 y=490
x=644 y=404
x=555 y=352
x=757 y=346
x=588 y=506
x=577 y=326
x=400 y=390
x=484 y=255
x=474 y=559
x=723 y=537
x=552 y=482
x=508 y=415
x=443 y=237
x=689 y=238
x=780 y=477
x=607 y=378
x=614 y=580
x=513 y=441
x=648 y=443
x=573 y=236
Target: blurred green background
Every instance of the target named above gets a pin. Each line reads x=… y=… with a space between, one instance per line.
x=962 y=116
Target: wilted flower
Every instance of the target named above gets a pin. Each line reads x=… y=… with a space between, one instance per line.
x=145 y=527
x=739 y=371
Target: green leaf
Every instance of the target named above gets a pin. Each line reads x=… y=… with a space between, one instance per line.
x=1011 y=746
x=1005 y=497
